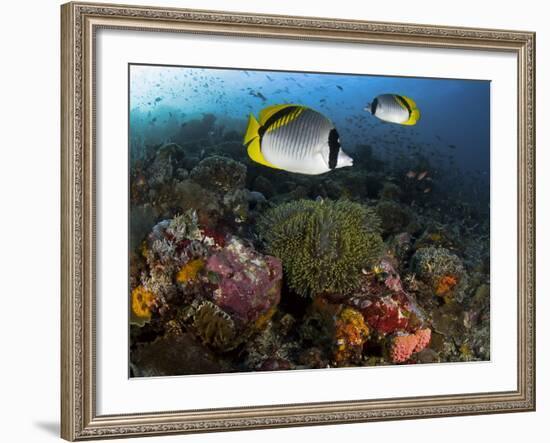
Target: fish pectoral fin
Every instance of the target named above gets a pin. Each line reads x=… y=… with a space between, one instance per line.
x=251 y=130
x=255 y=153
x=271 y=110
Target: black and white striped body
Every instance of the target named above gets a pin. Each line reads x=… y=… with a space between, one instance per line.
x=298 y=141
x=387 y=107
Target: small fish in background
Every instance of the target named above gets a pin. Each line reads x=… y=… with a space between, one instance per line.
x=422 y=175
x=394 y=108
x=410 y=174
x=452 y=146
x=259 y=95
x=427 y=190
x=339 y=87
x=296 y=139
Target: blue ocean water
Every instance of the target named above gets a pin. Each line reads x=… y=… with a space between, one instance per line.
x=451 y=140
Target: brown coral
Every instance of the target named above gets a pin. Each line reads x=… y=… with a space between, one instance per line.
x=215 y=327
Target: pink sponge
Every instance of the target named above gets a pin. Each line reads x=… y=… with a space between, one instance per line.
x=424 y=336
x=403 y=347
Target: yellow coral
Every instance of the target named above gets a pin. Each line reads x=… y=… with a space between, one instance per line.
x=351 y=334
x=189 y=271
x=264 y=318
x=445 y=284
x=142 y=301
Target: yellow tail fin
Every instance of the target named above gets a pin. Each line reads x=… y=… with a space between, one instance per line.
x=251 y=130
x=413 y=119
x=415 y=112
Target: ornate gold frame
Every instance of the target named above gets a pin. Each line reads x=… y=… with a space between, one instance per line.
x=79 y=420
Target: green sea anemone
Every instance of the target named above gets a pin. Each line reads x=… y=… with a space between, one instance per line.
x=323 y=245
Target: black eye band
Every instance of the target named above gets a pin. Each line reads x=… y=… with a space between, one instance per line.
x=334 y=148
x=373 y=106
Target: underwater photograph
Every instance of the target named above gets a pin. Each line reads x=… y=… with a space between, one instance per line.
x=285 y=220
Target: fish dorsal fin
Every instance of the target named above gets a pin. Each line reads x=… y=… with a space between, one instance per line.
x=266 y=113
x=255 y=153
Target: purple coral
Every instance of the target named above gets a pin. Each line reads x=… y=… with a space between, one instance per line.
x=249 y=283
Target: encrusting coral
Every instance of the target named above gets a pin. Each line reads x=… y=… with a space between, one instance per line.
x=142 y=301
x=445 y=284
x=323 y=244
x=442 y=270
x=248 y=283
x=189 y=271
x=351 y=335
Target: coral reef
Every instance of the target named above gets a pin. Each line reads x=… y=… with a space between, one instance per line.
x=337 y=332
x=142 y=302
x=239 y=267
x=213 y=289
x=394 y=218
x=220 y=174
x=214 y=326
x=404 y=345
x=190 y=270
x=442 y=270
x=390 y=191
x=271 y=349
x=351 y=335
x=323 y=244
x=248 y=284
x=175 y=354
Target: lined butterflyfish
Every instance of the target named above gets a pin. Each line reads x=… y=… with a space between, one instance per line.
x=296 y=139
x=394 y=108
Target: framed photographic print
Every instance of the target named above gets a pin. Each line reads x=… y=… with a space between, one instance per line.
x=280 y=221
